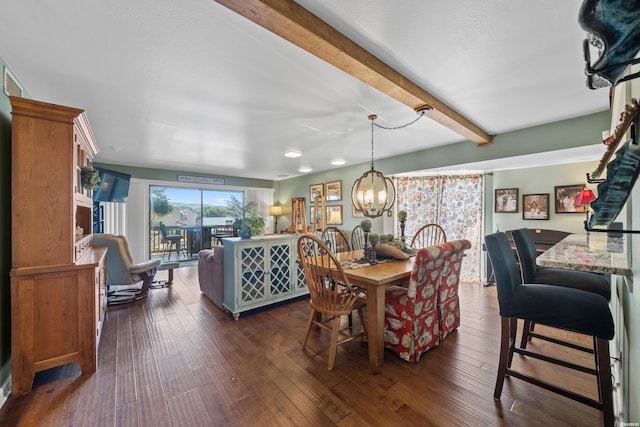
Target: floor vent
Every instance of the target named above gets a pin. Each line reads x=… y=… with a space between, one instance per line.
x=11 y=85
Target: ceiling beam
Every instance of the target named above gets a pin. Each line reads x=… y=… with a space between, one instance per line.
x=296 y=24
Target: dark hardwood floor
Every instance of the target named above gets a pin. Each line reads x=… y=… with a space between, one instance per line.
x=175 y=359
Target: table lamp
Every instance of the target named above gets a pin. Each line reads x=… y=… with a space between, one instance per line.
x=584 y=198
x=275 y=211
x=335 y=217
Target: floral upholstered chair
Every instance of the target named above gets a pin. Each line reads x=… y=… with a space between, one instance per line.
x=411 y=324
x=448 y=300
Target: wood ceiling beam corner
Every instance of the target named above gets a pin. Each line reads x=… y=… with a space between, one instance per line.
x=296 y=24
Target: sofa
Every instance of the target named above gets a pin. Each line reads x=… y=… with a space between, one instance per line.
x=211 y=274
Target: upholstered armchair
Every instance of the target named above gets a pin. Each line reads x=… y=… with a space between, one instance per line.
x=211 y=274
x=448 y=300
x=126 y=281
x=411 y=324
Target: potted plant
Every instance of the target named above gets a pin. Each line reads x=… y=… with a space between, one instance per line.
x=89 y=178
x=252 y=225
x=248 y=222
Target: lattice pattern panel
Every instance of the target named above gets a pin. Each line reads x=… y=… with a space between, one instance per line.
x=280 y=268
x=301 y=283
x=253 y=276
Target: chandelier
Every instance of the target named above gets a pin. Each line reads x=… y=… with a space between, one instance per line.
x=373 y=193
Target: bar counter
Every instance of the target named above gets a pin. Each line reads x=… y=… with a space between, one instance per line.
x=595 y=252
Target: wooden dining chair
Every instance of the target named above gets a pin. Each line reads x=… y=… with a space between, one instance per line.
x=428 y=235
x=331 y=294
x=335 y=239
x=357 y=238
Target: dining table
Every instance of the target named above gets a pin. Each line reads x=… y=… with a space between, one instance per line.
x=375 y=279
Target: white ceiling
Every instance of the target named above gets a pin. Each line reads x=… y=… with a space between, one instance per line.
x=191 y=85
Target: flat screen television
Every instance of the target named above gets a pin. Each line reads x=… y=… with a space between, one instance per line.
x=114 y=186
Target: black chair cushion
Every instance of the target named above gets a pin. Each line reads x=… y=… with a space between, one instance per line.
x=583 y=280
x=571 y=309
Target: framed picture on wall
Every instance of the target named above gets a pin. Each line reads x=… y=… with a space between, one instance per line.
x=506 y=200
x=315 y=217
x=315 y=190
x=333 y=191
x=565 y=198
x=535 y=206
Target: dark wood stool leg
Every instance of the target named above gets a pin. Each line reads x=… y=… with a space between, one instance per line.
x=505 y=357
x=605 y=388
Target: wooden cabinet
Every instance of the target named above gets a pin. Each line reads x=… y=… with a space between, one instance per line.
x=261 y=271
x=58 y=300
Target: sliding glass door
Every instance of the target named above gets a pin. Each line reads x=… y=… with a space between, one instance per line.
x=186 y=220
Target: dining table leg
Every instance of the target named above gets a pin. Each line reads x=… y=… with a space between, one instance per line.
x=375 y=324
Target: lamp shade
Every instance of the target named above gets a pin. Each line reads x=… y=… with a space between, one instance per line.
x=585 y=197
x=335 y=217
x=275 y=210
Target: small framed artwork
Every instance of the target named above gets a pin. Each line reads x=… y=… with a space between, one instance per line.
x=535 y=206
x=316 y=190
x=333 y=191
x=506 y=200
x=355 y=213
x=565 y=197
x=334 y=215
x=315 y=217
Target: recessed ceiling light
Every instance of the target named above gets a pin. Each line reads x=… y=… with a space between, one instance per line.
x=338 y=162
x=305 y=169
x=292 y=154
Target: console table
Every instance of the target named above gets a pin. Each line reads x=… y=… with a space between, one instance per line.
x=261 y=271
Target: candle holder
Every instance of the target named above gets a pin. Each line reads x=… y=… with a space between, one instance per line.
x=372 y=259
x=365 y=249
x=402 y=217
x=373 y=239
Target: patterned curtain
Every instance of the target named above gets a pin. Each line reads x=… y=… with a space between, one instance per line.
x=454 y=202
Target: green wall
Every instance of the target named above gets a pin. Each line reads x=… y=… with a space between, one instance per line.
x=539 y=180
x=561 y=135
x=172 y=175
x=5 y=234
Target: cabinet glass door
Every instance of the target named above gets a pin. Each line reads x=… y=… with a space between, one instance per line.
x=253 y=275
x=280 y=269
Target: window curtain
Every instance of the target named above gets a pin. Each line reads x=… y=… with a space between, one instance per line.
x=454 y=202
x=262 y=200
